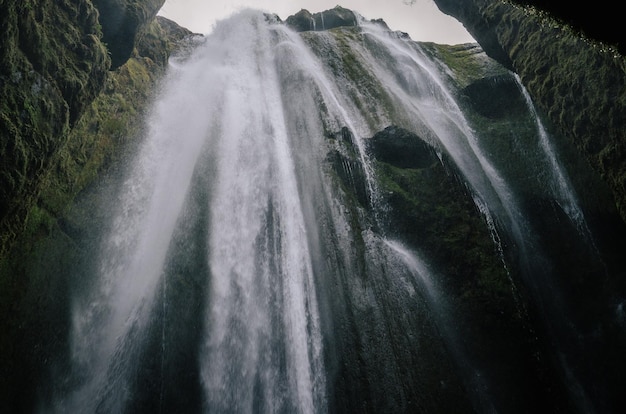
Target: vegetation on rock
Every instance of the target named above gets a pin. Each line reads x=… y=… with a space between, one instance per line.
x=50 y=236
x=52 y=65
x=65 y=120
x=578 y=82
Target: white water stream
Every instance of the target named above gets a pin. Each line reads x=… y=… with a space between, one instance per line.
x=250 y=109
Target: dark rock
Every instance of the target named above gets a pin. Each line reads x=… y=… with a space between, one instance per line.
x=52 y=65
x=302 y=21
x=326 y=20
x=580 y=83
x=122 y=21
x=495 y=97
x=159 y=39
x=402 y=148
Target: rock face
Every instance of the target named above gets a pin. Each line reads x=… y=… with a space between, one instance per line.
x=53 y=64
x=56 y=176
x=72 y=160
x=401 y=148
x=580 y=83
x=122 y=21
x=54 y=60
x=326 y=20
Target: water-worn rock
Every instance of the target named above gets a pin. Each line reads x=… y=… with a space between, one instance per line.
x=400 y=148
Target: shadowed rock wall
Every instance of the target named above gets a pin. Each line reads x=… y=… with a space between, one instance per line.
x=54 y=60
x=579 y=82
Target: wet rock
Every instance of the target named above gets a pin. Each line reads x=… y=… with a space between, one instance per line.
x=326 y=20
x=401 y=148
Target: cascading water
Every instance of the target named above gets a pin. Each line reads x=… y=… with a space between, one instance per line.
x=263 y=334
x=560 y=183
x=433 y=294
x=262 y=347
x=301 y=302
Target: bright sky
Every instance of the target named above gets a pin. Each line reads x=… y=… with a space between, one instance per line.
x=422 y=20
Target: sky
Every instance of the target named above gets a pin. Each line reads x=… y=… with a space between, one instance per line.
x=422 y=20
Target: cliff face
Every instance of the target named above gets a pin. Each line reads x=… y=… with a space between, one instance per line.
x=580 y=83
x=53 y=64
x=48 y=158
x=54 y=61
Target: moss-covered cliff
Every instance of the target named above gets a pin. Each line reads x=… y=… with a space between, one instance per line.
x=53 y=64
x=579 y=82
x=49 y=236
x=54 y=61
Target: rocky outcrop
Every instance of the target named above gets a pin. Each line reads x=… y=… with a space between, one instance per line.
x=52 y=65
x=122 y=21
x=326 y=20
x=500 y=116
x=579 y=82
x=401 y=148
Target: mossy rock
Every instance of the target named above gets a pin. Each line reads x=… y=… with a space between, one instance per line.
x=432 y=210
x=52 y=65
x=578 y=82
x=57 y=229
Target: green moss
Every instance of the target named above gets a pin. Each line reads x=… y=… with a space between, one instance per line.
x=433 y=211
x=464 y=61
x=346 y=62
x=53 y=65
x=50 y=167
x=579 y=83
x=39 y=222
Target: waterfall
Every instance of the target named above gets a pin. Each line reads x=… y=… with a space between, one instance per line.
x=262 y=345
x=300 y=299
x=259 y=258
x=560 y=183
x=414 y=82
x=418 y=268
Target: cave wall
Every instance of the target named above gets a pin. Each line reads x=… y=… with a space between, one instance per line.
x=578 y=81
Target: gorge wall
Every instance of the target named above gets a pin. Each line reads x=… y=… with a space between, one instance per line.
x=578 y=81
x=50 y=84
x=65 y=114
x=55 y=58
